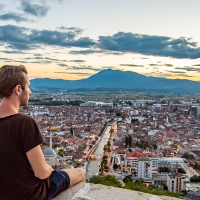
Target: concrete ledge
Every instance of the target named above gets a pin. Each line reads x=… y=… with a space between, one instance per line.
x=90 y=191
x=67 y=194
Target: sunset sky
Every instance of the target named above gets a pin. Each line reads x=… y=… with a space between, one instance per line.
x=74 y=39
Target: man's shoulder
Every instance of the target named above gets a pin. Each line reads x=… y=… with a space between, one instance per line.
x=25 y=117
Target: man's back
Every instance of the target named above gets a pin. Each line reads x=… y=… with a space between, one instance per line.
x=19 y=134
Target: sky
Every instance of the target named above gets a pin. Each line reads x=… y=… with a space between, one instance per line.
x=75 y=39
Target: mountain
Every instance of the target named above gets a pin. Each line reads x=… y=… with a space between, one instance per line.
x=115 y=79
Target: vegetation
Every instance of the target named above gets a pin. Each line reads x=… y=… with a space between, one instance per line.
x=56 y=103
x=103 y=128
x=188 y=155
x=142 y=144
x=82 y=147
x=163 y=169
x=128 y=141
x=138 y=185
x=60 y=152
x=195 y=178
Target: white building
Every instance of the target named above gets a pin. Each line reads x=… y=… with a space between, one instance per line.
x=176 y=183
x=145 y=168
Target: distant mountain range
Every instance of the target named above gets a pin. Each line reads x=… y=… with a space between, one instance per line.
x=113 y=80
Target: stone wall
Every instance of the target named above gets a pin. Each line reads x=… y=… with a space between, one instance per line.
x=90 y=191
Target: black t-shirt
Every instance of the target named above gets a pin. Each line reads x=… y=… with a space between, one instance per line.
x=19 y=134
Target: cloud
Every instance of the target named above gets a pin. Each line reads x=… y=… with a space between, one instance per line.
x=76 y=73
x=196 y=65
x=1 y=6
x=85 y=52
x=5 y=59
x=176 y=72
x=130 y=65
x=62 y=65
x=13 y=16
x=83 y=67
x=73 y=29
x=34 y=9
x=24 y=38
x=14 y=52
x=189 y=69
x=78 y=61
x=150 y=45
x=153 y=65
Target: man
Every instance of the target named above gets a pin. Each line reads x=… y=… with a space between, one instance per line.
x=24 y=174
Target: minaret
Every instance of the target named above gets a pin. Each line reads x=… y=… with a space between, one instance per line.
x=50 y=146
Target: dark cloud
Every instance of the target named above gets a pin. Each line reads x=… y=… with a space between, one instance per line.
x=23 y=38
x=189 y=69
x=13 y=16
x=41 y=62
x=130 y=65
x=150 y=45
x=196 y=65
x=5 y=59
x=13 y=52
x=85 y=52
x=78 y=61
x=34 y=9
x=168 y=65
x=83 y=67
x=182 y=68
x=62 y=65
x=176 y=72
x=153 y=65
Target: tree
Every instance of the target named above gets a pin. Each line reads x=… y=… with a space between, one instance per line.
x=106 y=169
x=188 y=155
x=115 y=166
x=127 y=179
x=60 y=152
x=82 y=147
x=71 y=131
x=155 y=146
x=108 y=143
x=181 y=170
x=164 y=169
x=128 y=141
x=55 y=145
x=105 y=157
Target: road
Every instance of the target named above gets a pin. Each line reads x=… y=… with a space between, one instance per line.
x=190 y=171
x=94 y=165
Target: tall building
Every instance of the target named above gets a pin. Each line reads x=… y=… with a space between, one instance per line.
x=176 y=182
x=145 y=168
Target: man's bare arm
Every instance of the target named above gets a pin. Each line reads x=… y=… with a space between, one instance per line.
x=36 y=158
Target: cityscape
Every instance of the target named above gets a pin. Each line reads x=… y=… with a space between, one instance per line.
x=115 y=90
x=149 y=137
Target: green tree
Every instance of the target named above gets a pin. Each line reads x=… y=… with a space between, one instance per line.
x=164 y=169
x=60 y=152
x=115 y=166
x=188 y=155
x=82 y=147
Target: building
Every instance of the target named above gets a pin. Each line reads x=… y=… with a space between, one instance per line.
x=176 y=182
x=145 y=168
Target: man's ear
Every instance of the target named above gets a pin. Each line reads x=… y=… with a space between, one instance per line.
x=17 y=89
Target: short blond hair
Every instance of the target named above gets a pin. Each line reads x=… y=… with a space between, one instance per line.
x=10 y=76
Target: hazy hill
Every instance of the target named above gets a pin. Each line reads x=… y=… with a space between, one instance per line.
x=115 y=79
